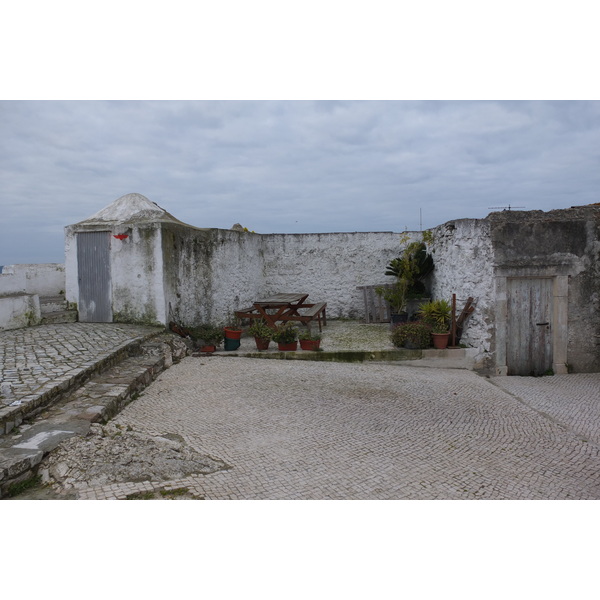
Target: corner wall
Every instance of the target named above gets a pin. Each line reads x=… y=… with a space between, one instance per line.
x=463 y=258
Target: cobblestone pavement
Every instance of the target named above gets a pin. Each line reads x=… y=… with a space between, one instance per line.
x=310 y=430
x=35 y=359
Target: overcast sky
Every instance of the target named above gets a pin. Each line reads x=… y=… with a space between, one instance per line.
x=288 y=166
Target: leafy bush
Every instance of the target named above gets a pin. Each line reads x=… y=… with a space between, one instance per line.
x=416 y=334
x=305 y=334
x=210 y=335
x=260 y=329
x=285 y=334
x=438 y=314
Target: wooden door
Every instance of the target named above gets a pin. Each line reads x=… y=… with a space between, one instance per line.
x=529 y=335
x=93 y=270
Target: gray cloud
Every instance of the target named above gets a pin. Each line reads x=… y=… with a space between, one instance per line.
x=288 y=166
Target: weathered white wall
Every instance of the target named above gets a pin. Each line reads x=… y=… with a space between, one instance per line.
x=42 y=279
x=137 y=275
x=330 y=266
x=19 y=310
x=209 y=273
x=20 y=289
x=464 y=265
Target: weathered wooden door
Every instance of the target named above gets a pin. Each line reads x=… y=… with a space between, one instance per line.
x=529 y=335
x=93 y=270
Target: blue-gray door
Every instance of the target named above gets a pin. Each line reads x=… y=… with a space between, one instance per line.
x=93 y=269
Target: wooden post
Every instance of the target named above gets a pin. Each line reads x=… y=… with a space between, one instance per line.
x=453 y=327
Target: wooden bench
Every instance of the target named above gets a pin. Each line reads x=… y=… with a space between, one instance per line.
x=316 y=310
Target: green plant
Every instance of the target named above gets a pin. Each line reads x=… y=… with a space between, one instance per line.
x=208 y=334
x=260 y=329
x=232 y=323
x=182 y=491
x=15 y=489
x=409 y=269
x=436 y=313
x=305 y=334
x=395 y=295
x=285 y=334
x=140 y=496
x=415 y=333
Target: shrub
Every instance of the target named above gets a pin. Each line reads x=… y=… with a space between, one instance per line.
x=207 y=334
x=438 y=314
x=285 y=334
x=305 y=334
x=260 y=329
x=416 y=334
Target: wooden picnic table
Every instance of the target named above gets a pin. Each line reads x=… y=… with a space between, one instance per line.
x=284 y=307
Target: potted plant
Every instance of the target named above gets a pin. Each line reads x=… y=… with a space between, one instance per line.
x=410 y=269
x=206 y=337
x=412 y=335
x=309 y=341
x=286 y=336
x=262 y=333
x=438 y=314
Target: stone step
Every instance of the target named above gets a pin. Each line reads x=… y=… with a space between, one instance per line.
x=98 y=400
x=59 y=316
x=50 y=304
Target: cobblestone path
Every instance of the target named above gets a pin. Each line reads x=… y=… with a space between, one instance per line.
x=309 y=430
x=33 y=359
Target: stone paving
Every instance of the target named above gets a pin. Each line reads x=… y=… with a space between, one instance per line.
x=38 y=361
x=311 y=430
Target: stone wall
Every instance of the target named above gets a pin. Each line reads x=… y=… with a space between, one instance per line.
x=330 y=266
x=46 y=279
x=209 y=273
x=463 y=258
x=20 y=289
x=563 y=245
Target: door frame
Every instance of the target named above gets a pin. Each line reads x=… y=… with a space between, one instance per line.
x=559 y=324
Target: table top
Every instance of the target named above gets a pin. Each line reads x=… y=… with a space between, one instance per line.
x=282 y=299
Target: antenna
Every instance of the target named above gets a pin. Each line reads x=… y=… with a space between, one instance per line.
x=420 y=219
x=503 y=207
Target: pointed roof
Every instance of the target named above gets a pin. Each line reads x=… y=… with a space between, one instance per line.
x=131 y=208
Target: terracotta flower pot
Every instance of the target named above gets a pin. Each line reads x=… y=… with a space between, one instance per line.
x=232 y=334
x=208 y=348
x=310 y=344
x=262 y=343
x=287 y=347
x=440 y=340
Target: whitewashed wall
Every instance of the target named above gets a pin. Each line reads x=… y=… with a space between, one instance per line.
x=330 y=266
x=464 y=265
x=47 y=279
x=20 y=289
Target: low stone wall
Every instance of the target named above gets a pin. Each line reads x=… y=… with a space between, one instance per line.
x=46 y=279
x=19 y=310
x=20 y=289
